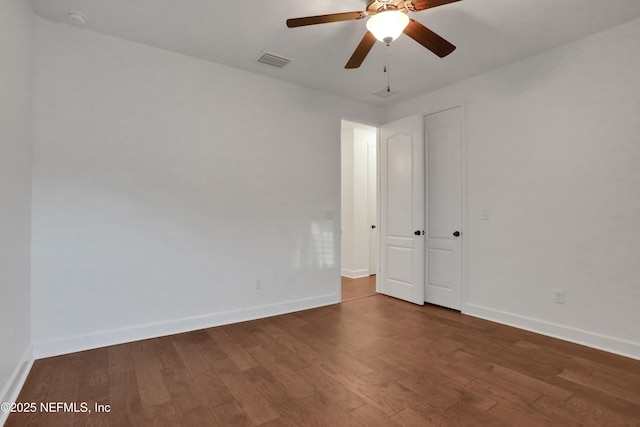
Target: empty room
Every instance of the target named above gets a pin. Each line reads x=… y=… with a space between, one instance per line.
x=320 y=213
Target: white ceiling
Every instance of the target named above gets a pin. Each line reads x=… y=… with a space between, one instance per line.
x=488 y=34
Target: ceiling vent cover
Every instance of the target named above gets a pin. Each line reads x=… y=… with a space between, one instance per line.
x=273 y=60
x=384 y=93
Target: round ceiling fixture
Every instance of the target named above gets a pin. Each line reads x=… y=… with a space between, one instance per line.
x=387 y=25
x=76 y=19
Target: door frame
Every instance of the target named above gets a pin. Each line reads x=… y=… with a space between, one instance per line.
x=462 y=103
x=377 y=192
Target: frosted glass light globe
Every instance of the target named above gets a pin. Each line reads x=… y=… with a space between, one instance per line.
x=387 y=26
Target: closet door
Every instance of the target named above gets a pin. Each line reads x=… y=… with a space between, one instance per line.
x=402 y=209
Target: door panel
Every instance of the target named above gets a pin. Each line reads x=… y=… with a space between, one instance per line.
x=399 y=263
x=440 y=268
x=443 y=138
x=399 y=176
x=402 y=209
x=439 y=167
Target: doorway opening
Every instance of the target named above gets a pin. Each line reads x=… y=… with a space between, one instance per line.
x=359 y=211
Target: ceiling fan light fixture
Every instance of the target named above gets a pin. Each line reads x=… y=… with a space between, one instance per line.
x=387 y=25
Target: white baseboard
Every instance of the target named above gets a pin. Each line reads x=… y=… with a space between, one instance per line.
x=99 y=339
x=566 y=333
x=12 y=389
x=354 y=274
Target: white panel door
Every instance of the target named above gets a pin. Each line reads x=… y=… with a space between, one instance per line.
x=443 y=256
x=402 y=209
x=373 y=209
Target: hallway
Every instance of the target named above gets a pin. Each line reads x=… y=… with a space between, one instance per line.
x=358 y=288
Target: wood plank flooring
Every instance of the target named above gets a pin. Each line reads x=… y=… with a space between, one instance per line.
x=358 y=288
x=373 y=361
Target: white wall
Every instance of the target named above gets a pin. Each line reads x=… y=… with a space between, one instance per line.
x=16 y=28
x=553 y=151
x=355 y=201
x=167 y=188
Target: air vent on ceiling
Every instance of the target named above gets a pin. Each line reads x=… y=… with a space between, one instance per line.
x=274 y=60
x=384 y=92
x=76 y=19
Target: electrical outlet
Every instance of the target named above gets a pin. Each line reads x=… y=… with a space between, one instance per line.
x=559 y=296
x=258 y=283
x=12 y=332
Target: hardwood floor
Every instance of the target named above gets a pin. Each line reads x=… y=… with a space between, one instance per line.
x=373 y=361
x=358 y=288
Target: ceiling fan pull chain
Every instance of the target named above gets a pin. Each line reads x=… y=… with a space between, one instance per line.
x=387 y=70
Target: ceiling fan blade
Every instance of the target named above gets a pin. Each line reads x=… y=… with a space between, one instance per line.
x=428 y=39
x=324 y=19
x=428 y=4
x=361 y=51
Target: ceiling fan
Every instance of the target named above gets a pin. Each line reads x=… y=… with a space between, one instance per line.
x=387 y=20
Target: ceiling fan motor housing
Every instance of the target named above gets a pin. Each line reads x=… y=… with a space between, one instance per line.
x=376 y=6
